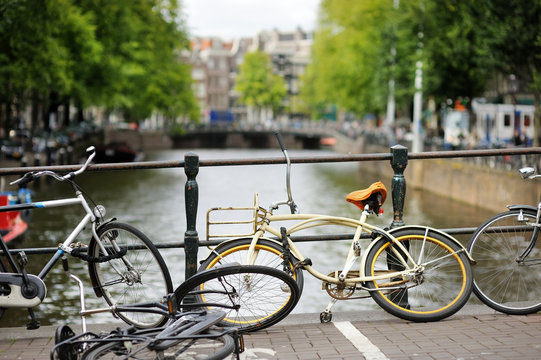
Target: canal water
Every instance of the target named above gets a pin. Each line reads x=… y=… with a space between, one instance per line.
x=153 y=201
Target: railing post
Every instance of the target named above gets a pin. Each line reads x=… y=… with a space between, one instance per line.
x=399 y=161
x=191 y=192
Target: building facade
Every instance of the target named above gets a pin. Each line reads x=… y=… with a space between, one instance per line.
x=215 y=65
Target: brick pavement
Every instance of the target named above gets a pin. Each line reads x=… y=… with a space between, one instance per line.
x=467 y=335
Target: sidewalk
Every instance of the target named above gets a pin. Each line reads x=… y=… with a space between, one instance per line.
x=473 y=333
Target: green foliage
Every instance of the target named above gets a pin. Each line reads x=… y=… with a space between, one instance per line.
x=348 y=56
x=122 y=55
x=256 y=83
x=461 y=45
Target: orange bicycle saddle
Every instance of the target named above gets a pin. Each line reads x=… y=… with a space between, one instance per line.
x=360 y=197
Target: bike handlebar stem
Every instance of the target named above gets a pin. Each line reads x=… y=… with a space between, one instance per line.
x=289 y=202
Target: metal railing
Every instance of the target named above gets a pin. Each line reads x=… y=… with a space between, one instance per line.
x=398 y=157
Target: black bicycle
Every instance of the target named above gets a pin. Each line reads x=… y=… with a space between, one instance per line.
x=191 y=335
x=206 y=313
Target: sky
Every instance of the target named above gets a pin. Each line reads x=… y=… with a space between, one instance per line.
x=230 y=19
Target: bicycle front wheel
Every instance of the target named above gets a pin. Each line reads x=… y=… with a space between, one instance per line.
x=439 y=288
x=253 y=297
x=207 y=346
x=501 y=279
x=138 y=276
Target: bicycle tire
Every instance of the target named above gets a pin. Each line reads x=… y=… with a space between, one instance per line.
x=443 y=287
x=208 y=348
x=264 y=295
x=500 y=281
x=235 y=251
x=148 y=281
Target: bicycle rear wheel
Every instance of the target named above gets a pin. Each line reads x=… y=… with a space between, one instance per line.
x=138 y=276
x=439 y=289
x=253 y=297
x=501 y=280
x=207 y=346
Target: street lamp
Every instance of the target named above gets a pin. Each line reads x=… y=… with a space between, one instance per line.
x=417 y=105
x=417 y=145
x=513 y=88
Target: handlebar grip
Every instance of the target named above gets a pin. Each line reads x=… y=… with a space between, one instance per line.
x=28 y=177
x=281 y=141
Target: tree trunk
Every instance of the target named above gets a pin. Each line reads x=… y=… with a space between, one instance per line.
x=537 y=119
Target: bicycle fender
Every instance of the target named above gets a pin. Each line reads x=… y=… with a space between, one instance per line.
x=444 y=234
x=225 y=242
x=522 y=207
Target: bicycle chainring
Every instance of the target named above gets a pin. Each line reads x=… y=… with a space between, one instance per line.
x=340 y=291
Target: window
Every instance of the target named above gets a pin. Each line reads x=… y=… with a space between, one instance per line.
x=506 y=120
x=527 y=120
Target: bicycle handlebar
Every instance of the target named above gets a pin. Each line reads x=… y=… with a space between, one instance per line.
x=31 y=176
x=528 y=173
x=289 y=201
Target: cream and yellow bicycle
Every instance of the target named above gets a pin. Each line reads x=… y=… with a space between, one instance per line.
x=416 y=273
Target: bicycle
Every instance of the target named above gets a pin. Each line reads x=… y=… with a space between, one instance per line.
x=123 y=263
x=192 y=329
x=416 y=273
x=506 y=250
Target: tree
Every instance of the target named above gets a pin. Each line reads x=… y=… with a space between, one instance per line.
x=514 y=37
x=258 y=86
x=457 y=57
x=141 y=70
x=348 y=55
x=44 y=46
x=121 y=55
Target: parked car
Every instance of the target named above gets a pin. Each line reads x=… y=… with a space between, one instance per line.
x=12 y=149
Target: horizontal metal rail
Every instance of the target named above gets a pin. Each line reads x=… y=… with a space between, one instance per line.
x=274 y=160
x=202 y=243
x=398 y=158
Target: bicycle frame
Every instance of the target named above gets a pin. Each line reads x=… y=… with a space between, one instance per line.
x=312 y=220
x=64 y=247
x=262 y=226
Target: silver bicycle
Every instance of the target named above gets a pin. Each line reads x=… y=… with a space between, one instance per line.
x=506 y=276
x=124 y=265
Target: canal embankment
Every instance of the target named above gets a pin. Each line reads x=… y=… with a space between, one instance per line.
x=462 y=179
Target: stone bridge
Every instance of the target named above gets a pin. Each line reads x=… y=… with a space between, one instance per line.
x=252 y=137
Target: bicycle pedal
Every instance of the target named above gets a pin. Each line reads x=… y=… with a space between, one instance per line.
x=33 y=324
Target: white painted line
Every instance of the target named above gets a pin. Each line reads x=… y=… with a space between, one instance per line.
x=361 y=342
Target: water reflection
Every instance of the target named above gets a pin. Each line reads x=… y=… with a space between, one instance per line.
x=153 y=201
